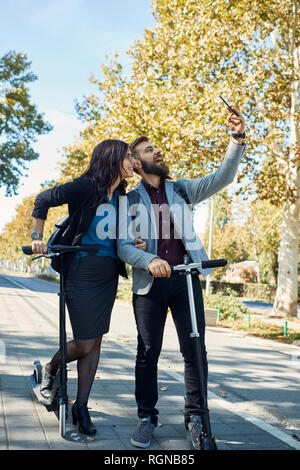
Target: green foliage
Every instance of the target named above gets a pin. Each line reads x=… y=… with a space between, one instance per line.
x=264 y=292
x=229 y=305
x=124 y=291
x=20 y=121
x=229 y=231
x=17 y=232
x=195 y=52
x=246 y=231
x=263 y=224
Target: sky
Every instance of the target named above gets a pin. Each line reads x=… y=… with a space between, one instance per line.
x=66 y=41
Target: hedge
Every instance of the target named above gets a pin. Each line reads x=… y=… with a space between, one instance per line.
x=248 y=290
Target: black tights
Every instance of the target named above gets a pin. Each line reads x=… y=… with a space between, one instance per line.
x=87 y=353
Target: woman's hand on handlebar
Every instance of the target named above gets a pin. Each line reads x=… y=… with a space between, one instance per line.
x=39 y=247
x=159 y=268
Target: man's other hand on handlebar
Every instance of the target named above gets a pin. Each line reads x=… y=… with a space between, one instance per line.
x=39 y=247
x=159 y=268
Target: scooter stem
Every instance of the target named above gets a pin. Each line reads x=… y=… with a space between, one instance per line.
x=207 y=440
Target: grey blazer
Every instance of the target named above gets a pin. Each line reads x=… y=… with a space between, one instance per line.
x=197 y=190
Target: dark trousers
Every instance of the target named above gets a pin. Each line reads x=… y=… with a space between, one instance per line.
x=150 y=315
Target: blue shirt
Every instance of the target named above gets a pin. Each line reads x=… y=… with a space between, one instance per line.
x=103 y=228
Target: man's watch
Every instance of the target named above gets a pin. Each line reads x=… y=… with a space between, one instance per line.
x=239 y=136
x=36 y=236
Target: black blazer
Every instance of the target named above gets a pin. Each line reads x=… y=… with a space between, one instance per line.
x=77 y=194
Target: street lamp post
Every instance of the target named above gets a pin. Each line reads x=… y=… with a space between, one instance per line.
x=210 y=241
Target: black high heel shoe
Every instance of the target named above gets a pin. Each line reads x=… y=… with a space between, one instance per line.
x=81 y=416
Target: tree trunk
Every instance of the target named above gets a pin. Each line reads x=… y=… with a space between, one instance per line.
x=258 y=266
x=285 y=303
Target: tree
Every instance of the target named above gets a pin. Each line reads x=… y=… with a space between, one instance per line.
x=196 y=51
x=262 y=236
x=229 y=232
x=17 y=232
x=246 y=231
x=20 y=122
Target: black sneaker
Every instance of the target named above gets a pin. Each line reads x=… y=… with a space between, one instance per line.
x=142 y=434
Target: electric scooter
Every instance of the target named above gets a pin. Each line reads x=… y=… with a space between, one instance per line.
x=207 y=440
x=59 y=399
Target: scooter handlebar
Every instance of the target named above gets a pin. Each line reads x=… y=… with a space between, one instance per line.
x=212 y=263
x=193 y=267
x=27 y=249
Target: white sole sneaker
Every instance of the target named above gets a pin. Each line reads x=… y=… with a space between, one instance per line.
x=143 y=445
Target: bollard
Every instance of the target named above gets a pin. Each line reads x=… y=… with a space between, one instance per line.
x=218 y=314
x=285 y=328
x=248 y=320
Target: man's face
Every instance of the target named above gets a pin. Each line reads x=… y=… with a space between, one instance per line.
x=151 y=159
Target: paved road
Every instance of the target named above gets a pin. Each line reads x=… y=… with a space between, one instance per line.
x=253 y=383
x=263 y=307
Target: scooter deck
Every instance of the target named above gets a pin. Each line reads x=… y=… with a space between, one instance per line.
x=51 y=404
x=35 y=380
x=36 y=390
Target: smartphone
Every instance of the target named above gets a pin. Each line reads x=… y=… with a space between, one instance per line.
x=229 y=107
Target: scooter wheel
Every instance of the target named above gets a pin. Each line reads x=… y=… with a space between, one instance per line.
x=208 y=443
x=37 y=372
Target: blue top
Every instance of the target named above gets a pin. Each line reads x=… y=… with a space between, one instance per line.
x=103 y=228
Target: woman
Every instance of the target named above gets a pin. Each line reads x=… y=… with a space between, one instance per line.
x=91 y=279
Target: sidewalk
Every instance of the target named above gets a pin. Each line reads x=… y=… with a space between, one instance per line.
x=28 y=330
x=262 y=311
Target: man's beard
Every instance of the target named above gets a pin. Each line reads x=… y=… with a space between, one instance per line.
x=153 y=169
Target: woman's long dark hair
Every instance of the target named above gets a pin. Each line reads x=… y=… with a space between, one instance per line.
x=105 y=167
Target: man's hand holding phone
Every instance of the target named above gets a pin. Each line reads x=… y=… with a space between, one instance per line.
x=236 y=123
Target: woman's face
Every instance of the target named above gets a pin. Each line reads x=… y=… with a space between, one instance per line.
x=127 y=165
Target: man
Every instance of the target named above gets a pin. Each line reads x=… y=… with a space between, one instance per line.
x=155 y=289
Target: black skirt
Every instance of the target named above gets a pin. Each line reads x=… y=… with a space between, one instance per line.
x=91 y=287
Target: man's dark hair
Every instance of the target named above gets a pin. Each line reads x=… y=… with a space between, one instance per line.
x=135 y=143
